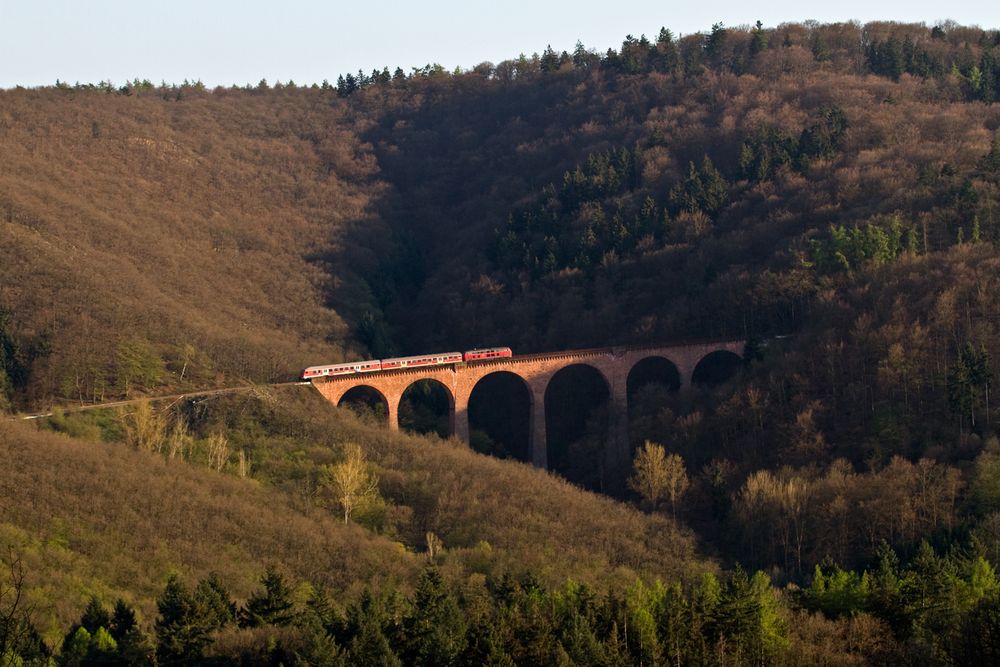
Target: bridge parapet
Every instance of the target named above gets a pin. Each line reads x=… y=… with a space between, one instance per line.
x=536 y=371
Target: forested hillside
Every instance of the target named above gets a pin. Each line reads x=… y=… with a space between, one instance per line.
x=113 y=511
x=674 y=192
x=674 y=188
x=827 y=192
x=175 y=237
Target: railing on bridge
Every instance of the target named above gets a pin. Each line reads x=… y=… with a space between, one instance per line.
x=536 y=370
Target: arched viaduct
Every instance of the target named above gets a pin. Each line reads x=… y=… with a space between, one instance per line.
x=536 y=371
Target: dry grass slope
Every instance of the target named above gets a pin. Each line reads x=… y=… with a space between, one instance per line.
x=530 y=518
x=96 y=518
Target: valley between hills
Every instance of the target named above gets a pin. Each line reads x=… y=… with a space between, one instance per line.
x=824 y=193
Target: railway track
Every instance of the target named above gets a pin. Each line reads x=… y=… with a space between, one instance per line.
x=251 y=387
x=175 y=398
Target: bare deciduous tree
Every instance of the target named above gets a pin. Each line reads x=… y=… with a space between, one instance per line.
x=649 y=478
x=178 y=440
x=143 y=428
x=658 y=476
x=243 y=464
x=218 y=451
x=351 y=482
x=435 y=546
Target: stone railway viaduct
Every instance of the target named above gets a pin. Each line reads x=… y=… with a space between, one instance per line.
x=614 y=364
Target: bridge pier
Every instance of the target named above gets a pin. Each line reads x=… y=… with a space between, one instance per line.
x=460 y=418
x=392 y=404
x=685 y=370
x=539 y=448
x=619 y=457
x=614 y=364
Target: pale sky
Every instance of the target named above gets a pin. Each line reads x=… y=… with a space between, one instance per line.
x=223 y=42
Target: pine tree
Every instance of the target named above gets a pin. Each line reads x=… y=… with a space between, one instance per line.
x=885 y=599
x=912 y=241
x=758 y=41
x=748 y=616
x=715 y=42
x=577 y=639
x=484 y=645
x=181 y=629
x=95 y=616
x=550 y=60
x=75 y=647
x=215 y=602
x=369 y=647
x=823 y=138
x=820 y=49
x=702 y=190
x=364 y=634
x=716 y=190
x=666 y=58
x=582 y=58
x=122 y=620
x=980 y=372
x=272 y=606
x=320 y=612
x=435 y=629
x=103 y=648
x=959 y=387
x=990 y=163
x=672 y=617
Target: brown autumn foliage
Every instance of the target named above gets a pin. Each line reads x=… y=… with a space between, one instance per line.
x=179 y=237
x=908 y=147
x=92 y=518
x=175 y=236
x=799 y=517
x=529 y=519
x=98 y=519
x=203 y=228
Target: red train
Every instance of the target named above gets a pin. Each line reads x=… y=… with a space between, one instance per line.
x=372 y=365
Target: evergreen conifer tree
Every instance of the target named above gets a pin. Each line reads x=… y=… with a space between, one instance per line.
x=182 y=631
x=435 y=628
x=271 y=606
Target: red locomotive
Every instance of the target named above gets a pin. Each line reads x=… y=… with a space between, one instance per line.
x=488 y=353
x=373 y=365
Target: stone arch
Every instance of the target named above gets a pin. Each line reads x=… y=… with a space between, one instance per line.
x=578 y=403
x=654 y=368
x=429 y=392
x=652 y=385
x=367 y=395
x=716 y=367
x=500 y=406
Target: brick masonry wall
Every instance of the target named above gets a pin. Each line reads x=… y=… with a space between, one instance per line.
x=536 y=370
